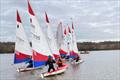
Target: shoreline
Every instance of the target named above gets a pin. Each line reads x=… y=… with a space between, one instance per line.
x=79 y=51
x=8 y=47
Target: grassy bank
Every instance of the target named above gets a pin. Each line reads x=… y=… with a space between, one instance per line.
x=8 y=47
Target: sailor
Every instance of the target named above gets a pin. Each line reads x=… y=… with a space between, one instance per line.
x=59 y=62
x=77 y=58
x=50 y=62
x=67 y=57
x=63 y=56
x=30 y=63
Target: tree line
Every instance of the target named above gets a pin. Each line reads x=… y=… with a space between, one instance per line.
x=9 y=47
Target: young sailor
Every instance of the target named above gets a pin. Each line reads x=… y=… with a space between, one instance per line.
x=77 y=58
x=59 y=62
x=67 y=57
x=50 y=62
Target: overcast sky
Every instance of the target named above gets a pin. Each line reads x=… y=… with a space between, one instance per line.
x=93 y=19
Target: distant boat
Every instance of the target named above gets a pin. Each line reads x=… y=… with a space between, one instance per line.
x=64 y=46
x=69 y=41
x=22 y=47
x=74 y=41
x=84 y=52
x=51 y=39
x=74 y=52
x=72 y=46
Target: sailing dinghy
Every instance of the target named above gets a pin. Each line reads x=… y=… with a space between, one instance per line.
x=61 y=37
x=23 y=50
x=64 y=46
x=51 y=39
x=75 y=51
x=69 y=41
x=40 y=48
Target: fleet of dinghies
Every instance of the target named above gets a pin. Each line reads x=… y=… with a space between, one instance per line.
x=64 y=44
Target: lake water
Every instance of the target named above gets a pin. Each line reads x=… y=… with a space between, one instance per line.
x=98 y=65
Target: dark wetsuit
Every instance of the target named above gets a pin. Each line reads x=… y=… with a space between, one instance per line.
x=30 y=63
x=60 y=64
x=50 y=63
x=77 y=59
x=67 y=57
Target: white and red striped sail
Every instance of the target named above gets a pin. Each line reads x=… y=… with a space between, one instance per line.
x=22 y=46
x=51 y=39
x=40 y=47
x=69 y=35
x=74 y=42
x=64 y=46
x=69 y=40
x=59 y=34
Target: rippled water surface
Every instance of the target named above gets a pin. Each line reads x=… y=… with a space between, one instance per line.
x=98 y=65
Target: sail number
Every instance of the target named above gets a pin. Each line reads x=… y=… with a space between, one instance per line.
x=36 y=37
x=20 y=39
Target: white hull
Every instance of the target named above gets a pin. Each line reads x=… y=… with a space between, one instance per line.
x=54 y=73
x=58 y=71
x=80 y=61
x=26 y=69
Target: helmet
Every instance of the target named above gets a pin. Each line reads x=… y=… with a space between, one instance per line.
x=49 y=56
